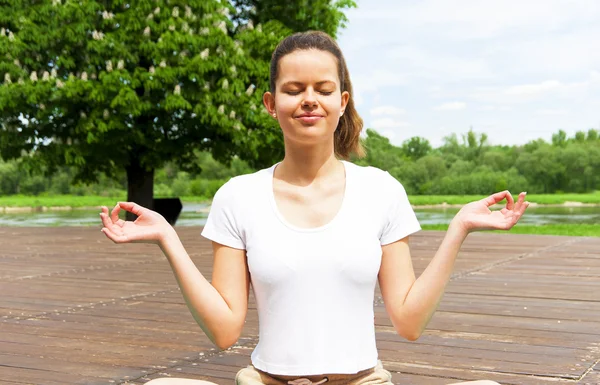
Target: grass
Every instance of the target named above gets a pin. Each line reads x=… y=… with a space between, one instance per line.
x=417 y=200
x=543 y=199
x=585 y=230
x=72 y=200
x=57 y=201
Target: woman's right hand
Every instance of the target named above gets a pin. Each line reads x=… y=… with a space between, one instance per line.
x=149 y=227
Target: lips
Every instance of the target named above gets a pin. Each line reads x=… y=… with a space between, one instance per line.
x=309 y=118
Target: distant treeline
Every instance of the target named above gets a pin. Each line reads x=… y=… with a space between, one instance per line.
x=465 y=164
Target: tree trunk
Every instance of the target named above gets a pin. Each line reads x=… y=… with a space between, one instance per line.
x=140 y=186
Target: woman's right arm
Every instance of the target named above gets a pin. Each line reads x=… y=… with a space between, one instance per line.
x=219 y=307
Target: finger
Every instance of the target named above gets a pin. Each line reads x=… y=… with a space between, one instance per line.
x=106 y=222
x=520 y=201
x=114 y=215
x=510 y=202
x=497 y=197
x=132 y=207
x=116 y=238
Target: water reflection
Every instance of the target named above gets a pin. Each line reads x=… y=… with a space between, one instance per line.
x=533 y=216
x=196 y=214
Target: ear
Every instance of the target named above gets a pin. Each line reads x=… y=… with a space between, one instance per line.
x=345 y=100
x=269 y=102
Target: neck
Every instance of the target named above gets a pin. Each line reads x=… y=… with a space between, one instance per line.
x=303 y=165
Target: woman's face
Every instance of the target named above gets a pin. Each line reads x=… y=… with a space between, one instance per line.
x=308 y=101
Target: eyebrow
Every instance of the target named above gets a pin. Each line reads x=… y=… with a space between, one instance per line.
x=294 y=83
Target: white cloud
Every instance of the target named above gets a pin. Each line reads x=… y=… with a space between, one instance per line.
x=384 y=123
x=378 y=78
x=391 y=135
x=533 y=89
x=494 y=108
x=545 y=90
x=530 y=67
x=451 y=106
x=387 y=110
x=552 y=111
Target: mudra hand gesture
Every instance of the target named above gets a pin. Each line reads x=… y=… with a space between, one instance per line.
x=476 y=215
x=149 y=227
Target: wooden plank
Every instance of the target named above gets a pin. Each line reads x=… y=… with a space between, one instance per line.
x=519 y=310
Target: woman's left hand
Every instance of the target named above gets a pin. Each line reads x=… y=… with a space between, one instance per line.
x=476 y=215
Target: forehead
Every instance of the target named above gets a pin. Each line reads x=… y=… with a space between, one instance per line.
x=308 y=66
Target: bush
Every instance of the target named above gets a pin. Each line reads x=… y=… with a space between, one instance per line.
x=203 y=188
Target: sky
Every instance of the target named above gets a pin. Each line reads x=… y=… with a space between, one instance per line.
x=515 y=70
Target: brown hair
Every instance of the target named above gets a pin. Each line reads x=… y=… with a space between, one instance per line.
x=347 y=135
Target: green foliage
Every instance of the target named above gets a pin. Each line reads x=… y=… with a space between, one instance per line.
x=471 y=166
x=111 y=86
x=298 y=16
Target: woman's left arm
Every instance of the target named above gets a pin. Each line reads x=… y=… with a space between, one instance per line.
x=411 y=302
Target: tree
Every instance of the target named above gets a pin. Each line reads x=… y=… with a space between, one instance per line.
x=416 y=147
x=380 y=152
x=559 y=139
x=132 y=85
x=299 y=15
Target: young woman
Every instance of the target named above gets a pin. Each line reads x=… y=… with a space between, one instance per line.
x=312 y=234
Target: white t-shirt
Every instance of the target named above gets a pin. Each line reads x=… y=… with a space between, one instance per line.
x=314 y=287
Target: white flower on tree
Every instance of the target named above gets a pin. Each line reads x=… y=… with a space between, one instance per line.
x=177 y=90
x=33 y=77
x=204 y=54
x=222 y=26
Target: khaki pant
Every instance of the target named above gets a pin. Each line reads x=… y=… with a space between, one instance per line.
x=374 y=376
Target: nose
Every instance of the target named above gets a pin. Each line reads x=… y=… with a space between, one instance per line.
x=310 y=99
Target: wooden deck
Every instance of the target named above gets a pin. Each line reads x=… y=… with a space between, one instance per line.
x=76 y=309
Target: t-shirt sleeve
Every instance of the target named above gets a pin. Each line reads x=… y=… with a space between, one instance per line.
x=223 y=224
x=399 y=220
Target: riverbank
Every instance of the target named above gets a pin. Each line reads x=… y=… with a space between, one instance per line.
x=29 y=204
x=580 y=230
